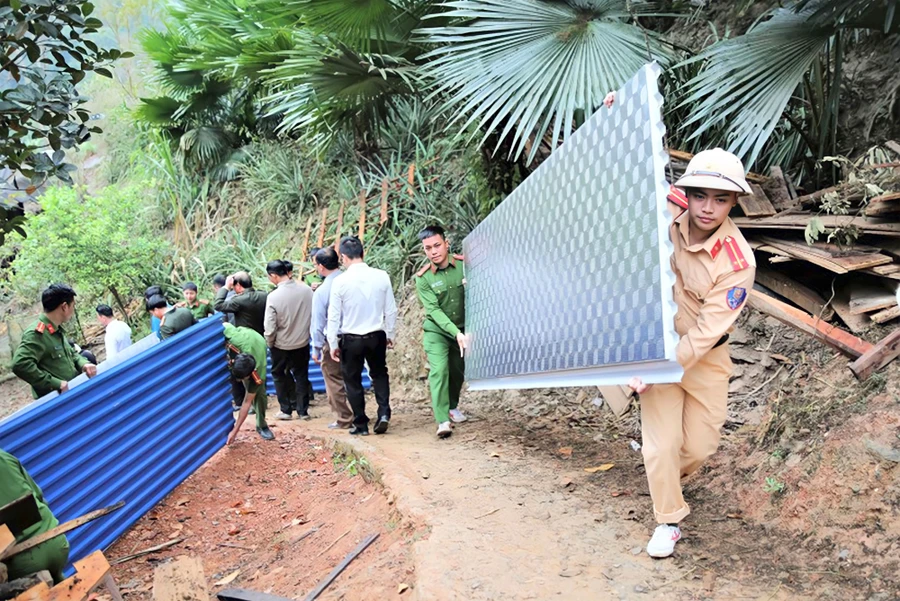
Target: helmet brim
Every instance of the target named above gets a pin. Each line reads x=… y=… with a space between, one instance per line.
x=714 y=183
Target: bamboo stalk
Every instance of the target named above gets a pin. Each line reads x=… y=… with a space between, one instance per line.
x=384 y=201
x=362 y=215
x=321 y=239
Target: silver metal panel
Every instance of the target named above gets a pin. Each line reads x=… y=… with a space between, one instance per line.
x=568 y=280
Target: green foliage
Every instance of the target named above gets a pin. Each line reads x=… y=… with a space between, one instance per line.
x=772 y=95
x=535 y=69
x=103 y=244
x=47 y=50
x=773 y=486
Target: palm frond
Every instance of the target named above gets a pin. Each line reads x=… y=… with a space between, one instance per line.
x=852 y=13
x=354 y=22
x=747 y=81
x=205 y=144
x=522 y=67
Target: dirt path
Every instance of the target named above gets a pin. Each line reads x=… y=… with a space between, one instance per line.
x=504 y=526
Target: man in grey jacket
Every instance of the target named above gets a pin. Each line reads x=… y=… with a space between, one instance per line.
x=287 y=321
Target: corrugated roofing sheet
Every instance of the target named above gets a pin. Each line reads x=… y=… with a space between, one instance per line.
x=315 y=377
x=132 y=433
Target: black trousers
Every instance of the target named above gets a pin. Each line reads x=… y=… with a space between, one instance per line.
x=237 y=391
x=290 y=370
x=355 y=351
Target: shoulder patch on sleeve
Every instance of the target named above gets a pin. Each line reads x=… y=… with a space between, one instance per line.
x=677 y=196
x=256 y=378
x=422 y=271
x=736 y=297
x=738 y=261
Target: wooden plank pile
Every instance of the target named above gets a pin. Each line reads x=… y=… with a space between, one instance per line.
x=833 y=292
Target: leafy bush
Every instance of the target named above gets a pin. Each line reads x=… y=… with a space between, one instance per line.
x=104 y=245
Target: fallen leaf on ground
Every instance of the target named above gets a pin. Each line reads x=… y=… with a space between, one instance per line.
x=402 y=588
x=234 y=531
x=228 y=579
x=495 y=454
x=782 y=358
x=237 y=503
x=565 y=451
x=735 y=516
x=298 y=521
x=599 y=468
x=182 y=501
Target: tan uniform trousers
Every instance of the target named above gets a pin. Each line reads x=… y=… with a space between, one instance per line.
x=334 y=389
x=680 y=425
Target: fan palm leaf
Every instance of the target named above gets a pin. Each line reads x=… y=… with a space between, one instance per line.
x=748 y=81
x=512 y=67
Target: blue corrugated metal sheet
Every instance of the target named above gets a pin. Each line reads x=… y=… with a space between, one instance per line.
x=132 y=434
x=315 y=377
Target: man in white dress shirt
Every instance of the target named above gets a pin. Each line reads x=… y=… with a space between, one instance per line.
x=118 y=334
x=363 y=310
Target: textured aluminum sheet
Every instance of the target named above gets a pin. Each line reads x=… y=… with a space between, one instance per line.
x=568 y=280
x=132 y=433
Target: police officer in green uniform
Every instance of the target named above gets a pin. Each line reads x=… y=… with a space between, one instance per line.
x=200 y=308
x=51 y=555
x=441 y=288
x=171 y=319
x=247 y=360
x=45 y=359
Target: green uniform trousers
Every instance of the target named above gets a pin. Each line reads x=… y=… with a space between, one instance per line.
x=51 y=555
x=260 y=401
x=446 y=373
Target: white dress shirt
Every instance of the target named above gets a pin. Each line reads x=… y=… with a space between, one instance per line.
x=117 y=338
x=361 y=302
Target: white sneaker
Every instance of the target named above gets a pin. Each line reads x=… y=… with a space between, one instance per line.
x=457 y=416
x=282 y=416
x=444 y=430
x=663 y=542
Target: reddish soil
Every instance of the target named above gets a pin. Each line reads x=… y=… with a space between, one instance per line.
x=248 y=513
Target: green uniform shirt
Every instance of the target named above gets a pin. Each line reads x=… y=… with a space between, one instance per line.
x=443 y=294
x=45 y=359
x=201 y=309
x=175 y=320
x=246 y=340
x=15 y=483
x=249 y=307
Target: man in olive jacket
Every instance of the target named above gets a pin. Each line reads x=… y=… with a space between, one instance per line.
x=248 y=305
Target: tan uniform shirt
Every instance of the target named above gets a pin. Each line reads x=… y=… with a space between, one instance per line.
x=712 y=283
x=288 y=315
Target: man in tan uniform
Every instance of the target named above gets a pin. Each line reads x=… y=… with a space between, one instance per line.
x=714 y=270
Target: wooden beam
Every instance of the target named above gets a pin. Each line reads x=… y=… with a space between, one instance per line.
x=807 y=299
x=841 y=304
x=304 y=250
x=90 y=572
x=866 y=297
x=181 y=579
x=340 y=225
x=340 y=568
x=831 y=335
x=320 y=241
x=778 y=190
x=886 y=315
x=384 y=201
x=34 y=541
x=883 y=205
x=878 y=356
x=756 y=204
x=829 y=256
x=799 y=221
x=362 y=215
